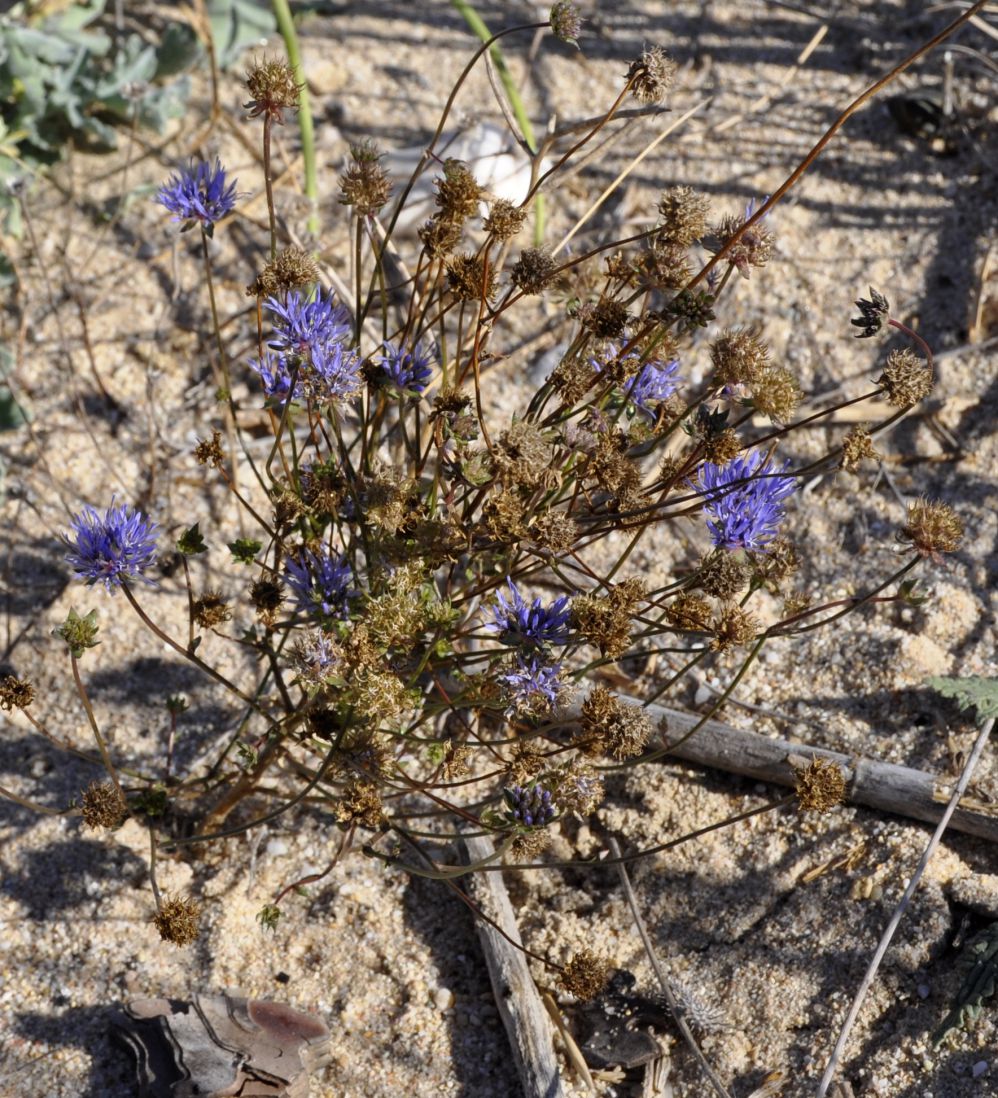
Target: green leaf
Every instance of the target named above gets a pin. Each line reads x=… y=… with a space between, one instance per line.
x=245 y=549
x=978 y=964
x=191 y=543
x=975 y=692
x=238 y=24
x=178 y=51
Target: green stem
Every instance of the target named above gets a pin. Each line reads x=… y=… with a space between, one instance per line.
x=286 y=25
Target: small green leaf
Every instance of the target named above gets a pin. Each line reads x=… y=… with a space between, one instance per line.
x=975 y=692
x=190 y=542
x=245 y=549
x=978 y=964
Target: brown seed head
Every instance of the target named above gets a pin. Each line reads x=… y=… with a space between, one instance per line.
x=571 y=379
x=365 y=184
x=651 y=76
x=605 y=319
x=723 y=447
x=273 y=89
x=102 y=805
x=857 y=446
x=611 y=727
x=533 y=271
x=932 y=528
x=775 y=393
x=458 y=192
x=210 y=610
x=906 y=379
x=690 y=613
x=684 y=216
x=722 y=575
x=527 y=845
x=469 y=278
x=177 y=920
x=754 y=248
x=15 y=693
x=605 y=620
x=439 y=236
x=820 y=785
x=209 y=451
x=585 y=975
x=266 y=596
x=504 y=219
x=734 y=628
x=290 y=269
x=554 y=530
x=739 y=357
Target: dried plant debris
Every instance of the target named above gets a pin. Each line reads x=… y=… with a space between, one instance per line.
x=978 y=965
x=222 y=1045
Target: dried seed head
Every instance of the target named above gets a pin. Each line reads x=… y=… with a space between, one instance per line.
x=566 y=22
x=209 y=451
x=554 y=530
x=684 y=216
x=651 y=76
x=906 y=379
x=527 y=845
x=522 y=455
x=775 y=393
x=605 y=620
x=505 y=517
x=15 y=693
x=754 y=248
x=504 y=219
x=691 y=308
x=360 y=804
x=210 y=610
x=734 y=628
x=612 y=470
x=572 y=378
x=690 y=613
x=177 y=920
x=290 y=269
x=439 y=236
x=932 y=528
x=273 y=89
x=365 y=184
x=611 y=727
x=723 y=447
x=664 y=265
x=525 y=762
x=739 y=356
x=779 y=562
x=468 y=277
x=577 y=788
x=533 y=271
x=722 y=574
x=857 y=446
x=458 y=192
x=820 y=785
x=605 y=319
x=585 y=975
x=266 y=596
x=102 y=805
x=795 y=603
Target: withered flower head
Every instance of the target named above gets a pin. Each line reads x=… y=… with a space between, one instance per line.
x=458 y=192
x=651 y=76
x=690 y=613
x=439 y=236
x=857 y=446
x=505 y=516
x=722 y=447
x=273 y=89
x=210 y=610
x=691 y=308
x=522 y=455
x=571 y=379
x=102 y=805
x=577 y=788
x=585 y=975
x=209 y=451
x=177 y=920
x=360 y=804
x=684 y=216
x=754 y=248
x=533 y=271
x=739 y=356
x=874 y=314
x=15 y=693
x=734 y=628
x=820 y=785
x=527 y=845
x=266 y=596
x=775 y=393
x=606 y=319
x=932 y=528
x=906 y=379
x=605 y=620
x=566 y=22
x=611 y=727
x=290 y=269
x=365 y=184
x=554 y=530
x=722 y=574
x=780 y=561
x=469 y=278
x=504 y=219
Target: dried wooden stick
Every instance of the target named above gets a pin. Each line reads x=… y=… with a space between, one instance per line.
x=516 y=995
x=885 y=786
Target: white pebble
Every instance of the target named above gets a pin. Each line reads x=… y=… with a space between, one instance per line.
x=702 y=695
x=443 y=998
x=276 y=847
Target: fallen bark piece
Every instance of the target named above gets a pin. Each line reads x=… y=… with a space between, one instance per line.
x=222 y=1045
x=517 y=999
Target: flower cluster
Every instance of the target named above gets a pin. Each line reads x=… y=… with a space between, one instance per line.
x=653 y=380
x=111 y=547
x=531 y=624
x=533 y=685
x=530 y=805
x=321 y=583
x=309 y=352
x=406 y=371
x=744 y=501
x=199 y=193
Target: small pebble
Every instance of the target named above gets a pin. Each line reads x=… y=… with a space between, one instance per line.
x=979 y=1068
x=443 y=999
x=702 y=695
x=923 y=991
x=276 y=847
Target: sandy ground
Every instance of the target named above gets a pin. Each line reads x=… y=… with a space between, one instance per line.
x=392 y=963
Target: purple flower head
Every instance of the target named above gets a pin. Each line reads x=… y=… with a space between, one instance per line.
x=532 y=684
x=109 y=548
x=409 y=371
x=304 y=327
x=532 y=624
x=275 y=374
x=334 y=374
x=653 y=380
x=200 y=192
x=743 y=501
x=529 y=805
x=321 y=583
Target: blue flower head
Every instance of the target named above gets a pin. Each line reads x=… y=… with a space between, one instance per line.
x=200 y=192
x=533 y=685
x=532 y=624
x=111 y=547
x=409 y=371
x=304 y=327
x=334 y=373
x=530 y=805
x=275 y=376
x=743 y=501
x=653 y=380
x=321 y=583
